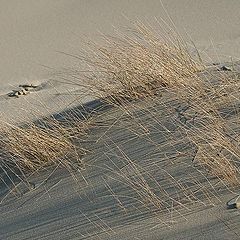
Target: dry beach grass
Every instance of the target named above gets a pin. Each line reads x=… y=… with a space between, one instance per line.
x=165 y=140
x=139 y=65
x=31 y=148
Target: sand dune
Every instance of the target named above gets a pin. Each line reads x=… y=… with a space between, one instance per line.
x=100 y=202
x=116 y=194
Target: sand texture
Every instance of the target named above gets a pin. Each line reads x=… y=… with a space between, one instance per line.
x=103 y=200
x=140 y=174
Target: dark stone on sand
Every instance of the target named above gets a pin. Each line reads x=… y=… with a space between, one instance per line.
x=16 y=93
x=225 y=68
x=234 y=203
x=28 y=86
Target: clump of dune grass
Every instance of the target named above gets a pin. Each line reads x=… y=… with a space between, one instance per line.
x=140 y=64
x=33 y=147
x=134 y=65
x=212 y=101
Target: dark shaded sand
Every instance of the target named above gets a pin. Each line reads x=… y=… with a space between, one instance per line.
x=109 y=197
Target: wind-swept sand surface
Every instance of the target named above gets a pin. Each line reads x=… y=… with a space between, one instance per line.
x=140 y=177
x=110 y=197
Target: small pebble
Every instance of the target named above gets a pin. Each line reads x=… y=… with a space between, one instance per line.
x=16 y=93
x=25 y=92
x=234 y=203
x=225 y=68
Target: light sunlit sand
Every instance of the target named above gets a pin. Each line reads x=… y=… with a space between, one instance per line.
x=123 y=137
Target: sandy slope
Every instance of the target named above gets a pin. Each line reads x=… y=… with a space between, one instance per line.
x=30 y=34
x=101 y=204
